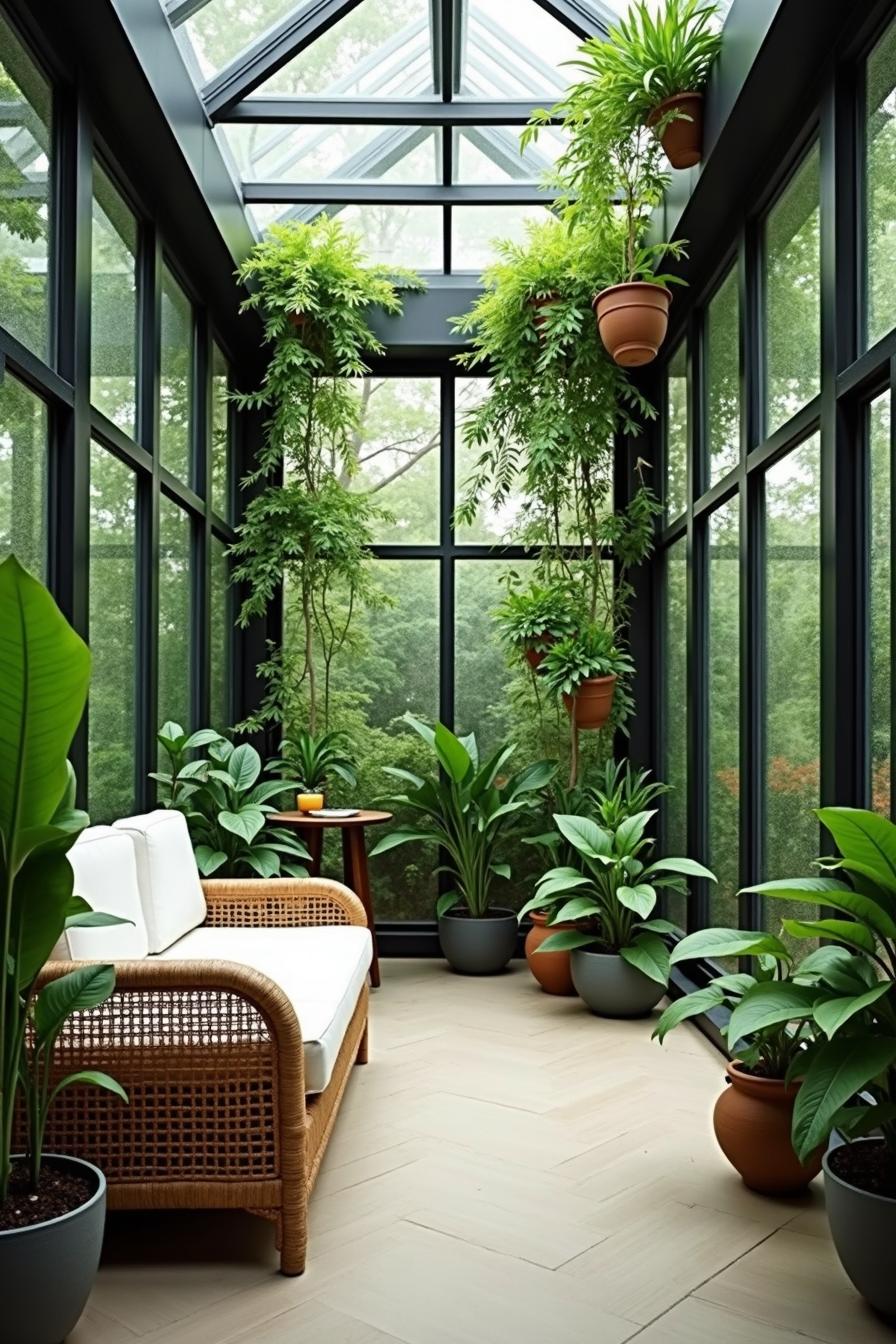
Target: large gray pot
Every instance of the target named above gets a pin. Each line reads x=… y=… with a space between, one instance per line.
x=610 y=986
x=863 y=1229
x=47 y=1271
x=478 y=946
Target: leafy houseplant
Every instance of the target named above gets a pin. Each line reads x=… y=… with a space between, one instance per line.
x=227 y=804
x=465 y=809
x=310 y=529
x=44 y=672
x=585 y=669
x=656 y=66
x=313 y=762
x=854 y=1059
x=533 y=620
x=620 y=962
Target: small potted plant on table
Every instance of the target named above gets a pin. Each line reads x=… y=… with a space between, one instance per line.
x=464 y=809
x=312 y=762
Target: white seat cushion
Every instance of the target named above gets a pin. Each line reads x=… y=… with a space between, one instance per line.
x=167 y=875
x=320 y=970
x=105 y=871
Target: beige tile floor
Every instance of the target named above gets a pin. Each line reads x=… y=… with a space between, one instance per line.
x=507 y=1170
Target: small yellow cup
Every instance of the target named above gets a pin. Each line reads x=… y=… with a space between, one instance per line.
x=309 y=802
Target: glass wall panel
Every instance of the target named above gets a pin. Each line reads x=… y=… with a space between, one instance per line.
x=723 y=379
x=490 y=526
x=793 y=667
x=397 y=448
x=402 y=154
x=676 y=433
x=113 y=304
x=23 y=476
x=880 y=600
x=675 y=716
x=486 y=155
x=474 y=229
x=220 y=30
x=399 y=235
x=176 y=386
x=220 y=638
x=26 y=141
x=175 y=609
x=793 y=295
x=112 y=722
x=880 y=173
x=514 y=53
x=724 y=709
x=220 y=446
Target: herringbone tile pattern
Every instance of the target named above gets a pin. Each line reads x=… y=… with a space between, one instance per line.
x=507 y=1170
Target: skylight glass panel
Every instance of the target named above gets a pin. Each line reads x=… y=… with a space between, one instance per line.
x=222 y=29
x=474 y=229
x=486 y=155
x=399 y=235
x=401 y=154
x=516 y=51
x=378 y=49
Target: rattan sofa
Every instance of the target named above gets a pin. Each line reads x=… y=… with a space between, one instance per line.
x=211 y=1051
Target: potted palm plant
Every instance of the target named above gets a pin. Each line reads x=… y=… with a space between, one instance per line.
x=849 y=1077
x=465 y=809
x=620 y=960
x=533 y=620
x=52 y=1206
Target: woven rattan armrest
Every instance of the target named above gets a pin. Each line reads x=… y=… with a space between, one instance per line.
x=280 y=902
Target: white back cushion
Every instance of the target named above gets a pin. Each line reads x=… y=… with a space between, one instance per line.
x=167 y=875
x=105 y=869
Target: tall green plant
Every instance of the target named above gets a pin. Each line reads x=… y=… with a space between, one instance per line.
x=314 y=290
x=650 y=55
x=44 y=673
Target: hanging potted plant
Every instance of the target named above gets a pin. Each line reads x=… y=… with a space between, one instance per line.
x=656 y=66
x=465 y=808
x=584 y=669
x=52 y=1206
x=532 y=621
x=620 y=960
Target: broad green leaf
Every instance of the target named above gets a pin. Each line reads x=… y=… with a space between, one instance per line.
x=833 y=1013
x=630 y=830
x=400 y=836
x=492 y=768
x=839 y=968
x=649 y=954
x=686 y=867
x=423 y=729
x=244 y=766
x=566 y=941
x=658 y=926
x=263 y=861
x=172 y=733
x=447 y=901
x=201 y=738
x=246 y=823
x=821 y=891
x=580 y=907
x=640 y=898
x=837 y=1072
x=94 y=1078
x=842 y=930
x=857 y=1122
x=501 y=869
x=865 y=836
x=554 y=885
x=584 y=835
x=209 y=860
x=94 y=919
x=406 y=775
x=770 y=1004
x=452 y=754
x=691 y=1005
x=729 y=943
x=85 y=987
x=531 y=779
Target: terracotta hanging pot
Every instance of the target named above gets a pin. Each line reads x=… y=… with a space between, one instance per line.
x=591 y=705
x=299 y=320
x=752 y=1120
x=535 y=657
x=682 y=137
x=541 y=305
x=551 y=969
x=632 y=320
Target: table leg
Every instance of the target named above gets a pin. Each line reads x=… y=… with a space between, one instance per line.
x=354 y=867
x=313 y=839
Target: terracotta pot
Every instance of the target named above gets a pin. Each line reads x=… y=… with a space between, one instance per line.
x=535 y=657
x=632 y=320
x=541 y=306
x=752 y=1121
x=551 y=969
x=592 y=703
x=682 y=138
x=299 y=320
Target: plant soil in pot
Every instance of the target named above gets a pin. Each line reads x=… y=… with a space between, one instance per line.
x=632 y=320
x=860 y=1194
x=478 y=946
x=592 y=703
x=551 y=969
x=47 y=1269
x=752 y=1121
x=682 y=136
x=611 y=987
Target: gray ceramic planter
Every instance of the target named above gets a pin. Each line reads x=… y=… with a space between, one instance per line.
x=863 y=1229
x=478 y=946
x=610 y=986
x=47 y=1271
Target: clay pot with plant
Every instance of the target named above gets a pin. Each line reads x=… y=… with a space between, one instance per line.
x=532 y=621
x=585 y=670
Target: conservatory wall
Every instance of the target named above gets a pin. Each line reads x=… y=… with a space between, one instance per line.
x=773 y=622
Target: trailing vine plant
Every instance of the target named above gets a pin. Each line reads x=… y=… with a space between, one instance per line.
x=306 y=529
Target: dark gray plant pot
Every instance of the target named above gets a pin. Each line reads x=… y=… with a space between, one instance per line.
x=863 y=1229
x=610 y=986
x=47 y=1271
x=478 y=946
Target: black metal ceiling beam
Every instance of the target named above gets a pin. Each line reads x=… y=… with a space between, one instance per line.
x=179 y=11
x=380 y=112
x=447 y=20
x=585 y=19
x=272 y=51
x=392 y=193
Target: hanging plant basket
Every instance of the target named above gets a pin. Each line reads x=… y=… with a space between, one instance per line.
x=535 y=657
x=592 y=704
x=632 y=320
x=541 y=306
x=682 y=136
x=300 y=320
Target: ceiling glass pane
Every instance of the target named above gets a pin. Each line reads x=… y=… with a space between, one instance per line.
x=376 y=49
x=499 y=63
x=222 y=29
x=335 y=153
x=475 y=228
x=485 y=155
x=401 y=235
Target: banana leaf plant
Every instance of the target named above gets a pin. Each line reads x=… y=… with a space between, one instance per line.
x=854 y=1056
x=44 y=674
x=611 y=891
x=465 y=807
